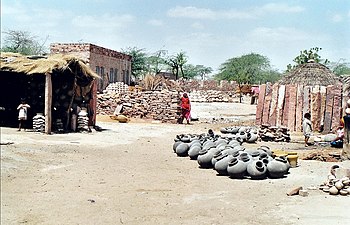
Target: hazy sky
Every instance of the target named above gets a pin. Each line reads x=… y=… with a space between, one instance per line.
x=209 y=31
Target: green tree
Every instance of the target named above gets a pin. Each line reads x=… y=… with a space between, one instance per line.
x=307 y=55
x=245 y=69
x=192 y=71
x=139 y=61
x=177 y=62
x=157 y=62
x=341 y=67
x=23 y=42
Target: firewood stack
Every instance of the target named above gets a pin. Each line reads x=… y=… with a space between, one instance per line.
x=158 y=105
x=274 y=133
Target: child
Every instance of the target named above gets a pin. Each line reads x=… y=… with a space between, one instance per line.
x=307 y=128
x=22 y=114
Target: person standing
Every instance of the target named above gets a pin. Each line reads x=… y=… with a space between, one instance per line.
x=185 y=109
x=22 y=114
x=307 y=128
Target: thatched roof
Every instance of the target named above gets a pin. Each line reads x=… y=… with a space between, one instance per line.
x=29 y=65
x=310 y=74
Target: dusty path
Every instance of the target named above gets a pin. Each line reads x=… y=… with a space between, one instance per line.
x=128 y=174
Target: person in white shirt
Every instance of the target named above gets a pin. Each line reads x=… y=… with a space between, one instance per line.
x=22 y=114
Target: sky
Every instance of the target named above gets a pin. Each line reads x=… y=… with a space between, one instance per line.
x=208 y=31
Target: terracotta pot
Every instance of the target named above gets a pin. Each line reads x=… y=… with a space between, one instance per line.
x=293 y=160
x=256 y=170
x=236 y=168
x=182 y=149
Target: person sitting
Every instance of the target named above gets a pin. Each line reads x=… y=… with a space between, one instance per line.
x=338 y=141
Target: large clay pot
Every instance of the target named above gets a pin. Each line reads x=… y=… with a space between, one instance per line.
x=208 y=144
x=255 y=155
x=236 y=168
x=222 y=163
x=176 y=143
x=239 y=148
x=220 y=141
x=205 y=156
x=217 y=156
x=256 y=170
x=277 y=168
x=195 y=142
x=251 y=137
x=242 y=135
x=285 y=161
x=194 y=151
x=182 y=149
x=224 y=130
x=242 y=129
x=234 y=143
x=266 y=149
x=185 y=138
x=234 y=130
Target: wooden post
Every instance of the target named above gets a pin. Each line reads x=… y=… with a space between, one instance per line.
x=48 y=103
x=260 y=106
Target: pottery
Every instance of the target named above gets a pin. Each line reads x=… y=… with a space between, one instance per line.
x=222 y=163
x=251 y=137
x=266 y=149
x=339 y=185
x=194 y=151
x=217 y=156
x=228 y=150
x=242 y=129
x=239 y=148
x=277 y=168
x=205 y=156
x=208 y=144
x=185 y=138
x=333 y=190
x=293 y=160
x=256 y=169
x=182 y=149
x=343 y=192
x=176 y=143
x=285 y=161
x=236 y=168
x=242 y=135
x=234 y=143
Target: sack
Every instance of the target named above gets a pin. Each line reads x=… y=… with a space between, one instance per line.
x=337 y=144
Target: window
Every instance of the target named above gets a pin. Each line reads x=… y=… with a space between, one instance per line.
x=111 y=76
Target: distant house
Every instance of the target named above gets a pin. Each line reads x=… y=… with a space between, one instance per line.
x=110 y=65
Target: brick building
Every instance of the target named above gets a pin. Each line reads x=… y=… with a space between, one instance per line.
x=110 y=65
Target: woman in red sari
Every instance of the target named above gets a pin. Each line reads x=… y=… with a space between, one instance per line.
x=185 y=108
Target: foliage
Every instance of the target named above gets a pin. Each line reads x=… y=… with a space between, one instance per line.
x=177 y=62
x=193 y=71
x=157 y=62
x=340 y=68
x=307 y=55
x=138 y=63
x=23 y=42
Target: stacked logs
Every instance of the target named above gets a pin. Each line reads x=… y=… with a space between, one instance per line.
x=158 y=105
x=274 y=133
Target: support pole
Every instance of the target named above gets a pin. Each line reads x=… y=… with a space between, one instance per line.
x=48 y=103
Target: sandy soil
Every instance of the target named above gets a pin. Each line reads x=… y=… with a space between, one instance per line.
x=129 y=174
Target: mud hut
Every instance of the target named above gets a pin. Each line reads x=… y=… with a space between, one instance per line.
x=310 y=87
x=53 y=85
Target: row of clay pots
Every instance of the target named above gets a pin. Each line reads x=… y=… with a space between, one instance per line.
x=228 y=157
x=247 y=134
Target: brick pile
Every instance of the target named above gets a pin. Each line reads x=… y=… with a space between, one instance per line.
x=212 y=96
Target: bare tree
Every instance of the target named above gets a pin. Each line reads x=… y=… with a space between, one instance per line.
x=23 y=42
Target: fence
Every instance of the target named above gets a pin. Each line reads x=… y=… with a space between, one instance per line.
x=285 y=105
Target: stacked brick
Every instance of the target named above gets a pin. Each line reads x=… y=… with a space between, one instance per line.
x=156 y=105
x=212 y=96
x=117 y=87
x=285 y=105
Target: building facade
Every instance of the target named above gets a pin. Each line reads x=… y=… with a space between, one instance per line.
x=110 y=65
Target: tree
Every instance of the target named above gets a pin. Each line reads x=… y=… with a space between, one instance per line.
x=177 y=62
x=203 y=71
x=341 y=67
x=138 y=62
x=157 y=62
x=307 y=55
x=191 y=71
x=244 y=69
x=23 y=42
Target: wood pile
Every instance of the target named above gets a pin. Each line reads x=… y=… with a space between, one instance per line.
x=274 y=133
x=211 y=96
x=324 y=156
x=158 y=105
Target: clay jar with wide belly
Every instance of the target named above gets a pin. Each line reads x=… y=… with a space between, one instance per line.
x=222 y=163
x=277 y=168
x=256 y=170
x=236 y=168
x=205 y=156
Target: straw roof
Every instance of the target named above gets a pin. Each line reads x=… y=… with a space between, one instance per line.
x=42 y=64
x=310 y=74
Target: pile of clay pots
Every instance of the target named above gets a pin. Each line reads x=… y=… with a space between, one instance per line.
x=228 y=157
x=336 y=186
x=274 y=133
x=39 y=122
x=247 y=134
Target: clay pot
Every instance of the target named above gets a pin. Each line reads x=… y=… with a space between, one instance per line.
x=236 y=168
x=234 y=130
x=333 y=190
x=256 y=170
x=182 y=149
x=293 y=160
x=216 y=157
x=208 y=144
x=239 y=148
x=251 y=137
x=255 y=155
x=339 y=185
x=224 y=130
x=343 y=192
x=194 y=151
x=222 y=163
x=234 y=143
x=176 y=143
x=266 y=149
x=242 y=129
x=242 y=135
x=205 y=156
x=277 y=168
x=228 y=150
x=185 y=138
x=220 y=141
x=121 y=118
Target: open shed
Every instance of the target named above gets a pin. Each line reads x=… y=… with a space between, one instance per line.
x=54 y=85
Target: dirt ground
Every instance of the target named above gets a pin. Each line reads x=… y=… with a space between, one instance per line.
x=129 y=174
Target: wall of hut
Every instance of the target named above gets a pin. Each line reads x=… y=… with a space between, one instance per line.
x=285 y=105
